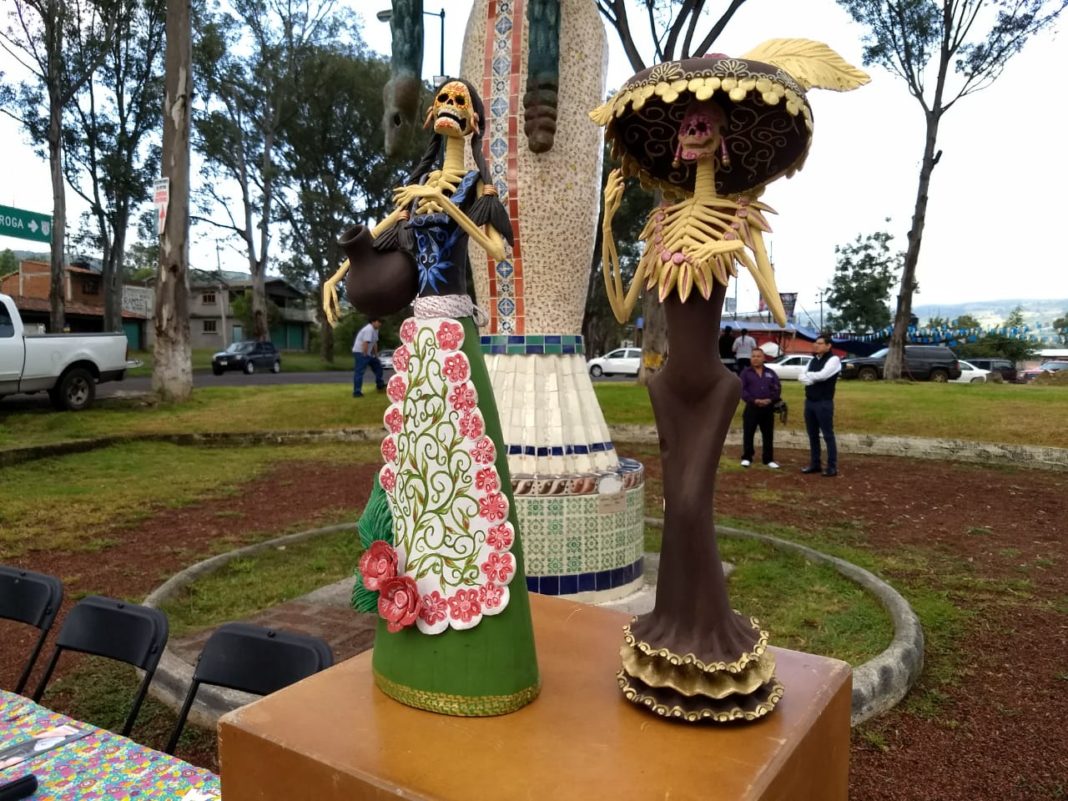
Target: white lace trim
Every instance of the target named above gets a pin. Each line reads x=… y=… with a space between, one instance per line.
x=454 y=306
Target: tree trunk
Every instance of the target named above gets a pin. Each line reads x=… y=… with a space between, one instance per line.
x=895 y=357
x=172 y=375
x=57 y=290
x=326 y=334
x=113 y=278
x=654 y=337
x=260 y=325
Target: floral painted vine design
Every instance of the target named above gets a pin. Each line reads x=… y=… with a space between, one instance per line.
x=451 y=561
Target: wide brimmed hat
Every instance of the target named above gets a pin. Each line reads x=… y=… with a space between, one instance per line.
x=769 y=120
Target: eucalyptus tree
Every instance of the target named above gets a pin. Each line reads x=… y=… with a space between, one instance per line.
x=172 y=369
x=59 y=44
x=332 y=163
x=943 y=51
x=251 y=59
x=113 y=149
x=678 y=29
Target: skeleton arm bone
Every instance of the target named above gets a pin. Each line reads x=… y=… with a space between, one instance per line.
x=613 y=278
x=764 y=276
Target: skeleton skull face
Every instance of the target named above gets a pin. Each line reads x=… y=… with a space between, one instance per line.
x=700 y=131
x=453 y=113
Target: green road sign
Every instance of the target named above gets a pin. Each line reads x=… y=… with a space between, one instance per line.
x=25 y=224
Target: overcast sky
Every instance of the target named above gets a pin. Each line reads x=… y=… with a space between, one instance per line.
x=997 y=197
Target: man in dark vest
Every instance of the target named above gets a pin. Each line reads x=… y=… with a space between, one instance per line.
x=819 y=380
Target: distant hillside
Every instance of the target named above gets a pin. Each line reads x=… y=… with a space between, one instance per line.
x=1038 y=314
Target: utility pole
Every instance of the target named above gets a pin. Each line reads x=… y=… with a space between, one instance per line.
x=822 y=291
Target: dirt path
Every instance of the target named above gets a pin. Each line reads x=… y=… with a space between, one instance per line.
x=997 y=732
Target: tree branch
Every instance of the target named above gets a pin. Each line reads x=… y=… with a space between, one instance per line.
x=717 y=29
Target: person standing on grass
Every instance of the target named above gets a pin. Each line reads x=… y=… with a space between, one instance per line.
x=760 y=391
x=743 y=350
x=365 y=354
x=819 y=381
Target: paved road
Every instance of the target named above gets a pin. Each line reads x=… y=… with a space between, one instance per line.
x=139 y=385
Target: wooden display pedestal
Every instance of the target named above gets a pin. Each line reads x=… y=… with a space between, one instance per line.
x=335 y=737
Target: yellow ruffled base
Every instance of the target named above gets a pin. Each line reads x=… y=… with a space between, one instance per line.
x=674 y=686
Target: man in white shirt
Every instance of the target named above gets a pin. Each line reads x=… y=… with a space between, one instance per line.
x=743 y=350
x=819 y=380
x=365 y=354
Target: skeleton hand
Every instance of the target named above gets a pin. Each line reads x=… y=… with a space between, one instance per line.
x=331 y=304
x=716 y=247
x=403 y=196
x=613 y=194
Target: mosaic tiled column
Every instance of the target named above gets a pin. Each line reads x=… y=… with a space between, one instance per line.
x=580 y=506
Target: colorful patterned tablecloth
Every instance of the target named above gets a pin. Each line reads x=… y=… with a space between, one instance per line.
x=100 y=766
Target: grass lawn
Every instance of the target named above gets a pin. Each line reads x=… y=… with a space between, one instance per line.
x=72 y=503
x=1007 y=413
x=82 y=504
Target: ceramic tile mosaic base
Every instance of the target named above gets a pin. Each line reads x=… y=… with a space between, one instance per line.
x=550 y=418
x=583 y=543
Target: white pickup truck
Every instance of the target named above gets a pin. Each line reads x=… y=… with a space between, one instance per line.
x=67 y=366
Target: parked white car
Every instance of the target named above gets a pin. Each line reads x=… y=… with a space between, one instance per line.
x=621 y=361
x=789 y=368
x=67 y=366
x=970 y=374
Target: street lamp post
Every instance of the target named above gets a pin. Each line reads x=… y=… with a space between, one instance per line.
x=386 y=15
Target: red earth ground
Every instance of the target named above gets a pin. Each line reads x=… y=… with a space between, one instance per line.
x=998 y=729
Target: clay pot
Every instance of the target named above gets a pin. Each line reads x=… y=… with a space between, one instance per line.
x=378 y=283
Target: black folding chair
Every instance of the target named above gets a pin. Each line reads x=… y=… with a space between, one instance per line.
x=31 y=598
x=253 y=659
x=115 y=629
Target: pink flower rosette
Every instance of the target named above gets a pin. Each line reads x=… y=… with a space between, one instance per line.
x=389 y=449
x=499 y=568
x=471 y=425
x=450 y=335
x=433 y=614
x=487 y=480
x=493 y=598
x=456 y=368
x=408 y=329
x=378 y=563
x=396 y=388
x=399 y=602
x=484 y=451
x=493 y=507
x=463 y=397
x=394 y=419
x=387 y=478
x=501 y=536
x=400 y=359
x=464 y=609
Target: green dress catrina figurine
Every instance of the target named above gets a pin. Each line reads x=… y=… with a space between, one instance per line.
x=443 y=566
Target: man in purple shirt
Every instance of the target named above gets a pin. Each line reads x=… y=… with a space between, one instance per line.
x=760 y=391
